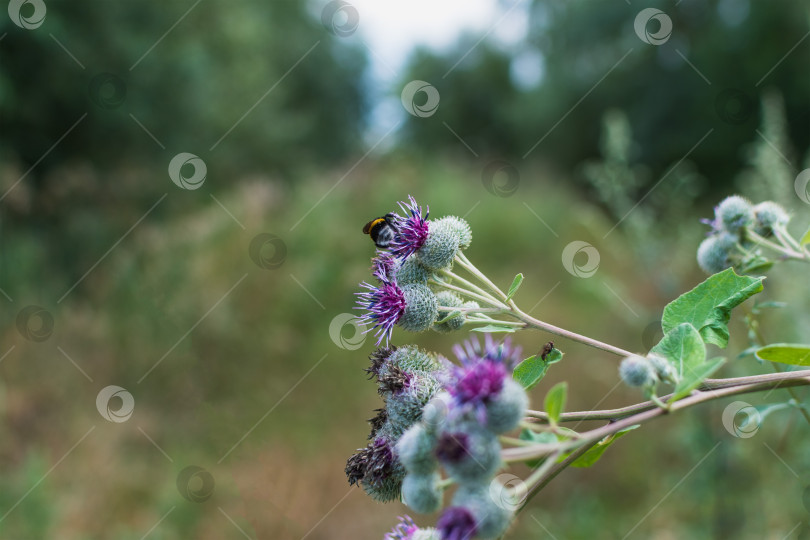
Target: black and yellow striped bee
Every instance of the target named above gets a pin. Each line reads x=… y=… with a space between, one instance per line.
x=382 y=229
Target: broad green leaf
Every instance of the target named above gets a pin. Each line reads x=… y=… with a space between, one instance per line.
x=756 y=265
x=555 y=401
x=694 y=376
x=683 y=347
x=806 y=238
x=532 y=370
x=494 y=329
x=786 y=353
x=448 y=317
x=708 y=306
x=514 y=287
x=595 y=452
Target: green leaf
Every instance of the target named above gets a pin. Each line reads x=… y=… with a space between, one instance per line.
x=756 y=265
x=555 y=401
x=514 y=287
x=786 y=353
x=532 y=370
x=545 y=437
x=494 y=329
x=708 y=306
x=595 y=452
x=692 y=378
x=683 y=347
x=448 y=317
x=806 y=238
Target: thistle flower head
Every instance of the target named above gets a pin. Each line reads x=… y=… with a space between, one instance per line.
x=456 y=523
x=733 y=214
x=411 y=270
x=416 y=450
x=421 y=492
x=378 y=360
x=637 y=371
x=471 y=351
x=447 y=299
x=404 y=530
x=412 y=230
x=421 y=308
x=505 y=410
x=440 y=247
x=383 y=266
x=716 y=253
x=460 y=229
x=383 y=473
x=491 y=518
x=469 y=452
x=384 y=304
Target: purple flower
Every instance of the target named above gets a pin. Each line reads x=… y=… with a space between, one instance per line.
x=382 y=266
x=384 y=304
x=503 y=352
x=456 y=523
x=452 y=447
x=403 y=531
x=412 y=230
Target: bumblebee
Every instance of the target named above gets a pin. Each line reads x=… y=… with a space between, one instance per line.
x=382 y=229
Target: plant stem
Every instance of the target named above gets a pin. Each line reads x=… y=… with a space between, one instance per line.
x=470 y=285
x=465 y=292
x=784 y=250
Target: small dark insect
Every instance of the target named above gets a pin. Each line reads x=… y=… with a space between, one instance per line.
x=382 y=229
x=547 y=348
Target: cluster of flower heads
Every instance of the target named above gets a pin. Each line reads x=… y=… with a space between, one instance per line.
x=459 y=431
x=418 y=249
x=729 y=243
x=407 y=379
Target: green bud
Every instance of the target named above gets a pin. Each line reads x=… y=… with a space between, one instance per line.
x=449 y=300
x=440 y=247
x=460 y=228
x=492 y=519
x=421 y=308
x=426 y=534
x=507 y=409
x=664 y=370
x=421 y=492
x=716 y=253
x=411 y=271
x=411 y=358
x=768 y=215
x=734 y=213
x=637 y=371
x=415 y=450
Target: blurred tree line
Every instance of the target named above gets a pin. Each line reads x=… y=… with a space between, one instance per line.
x=588 y=59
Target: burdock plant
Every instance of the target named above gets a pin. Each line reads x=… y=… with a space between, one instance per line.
x=459 y=423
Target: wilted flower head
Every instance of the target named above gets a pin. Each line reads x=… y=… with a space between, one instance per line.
x=377 y=469
x=412 y=229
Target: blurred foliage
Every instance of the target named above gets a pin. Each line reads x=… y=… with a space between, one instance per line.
x=590 y=59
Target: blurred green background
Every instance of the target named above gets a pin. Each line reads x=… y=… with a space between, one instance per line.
x=576 y=129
